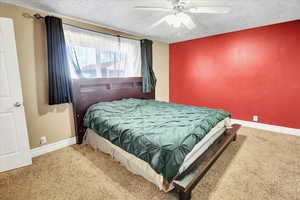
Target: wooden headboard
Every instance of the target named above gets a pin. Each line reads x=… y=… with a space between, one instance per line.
x=90 y=91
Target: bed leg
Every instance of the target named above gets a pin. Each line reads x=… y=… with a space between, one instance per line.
x=234 y=138
x=185 y=195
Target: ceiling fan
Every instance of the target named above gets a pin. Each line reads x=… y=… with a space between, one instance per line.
x=180 y=10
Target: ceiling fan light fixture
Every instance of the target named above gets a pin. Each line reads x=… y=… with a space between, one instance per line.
x=174 y=20
x=187 y=20
x=178 y=19
x=183 y=17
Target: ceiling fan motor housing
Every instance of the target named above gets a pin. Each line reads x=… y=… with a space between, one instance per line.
x=179 y=5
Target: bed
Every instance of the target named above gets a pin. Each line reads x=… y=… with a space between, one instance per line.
x=160 y=141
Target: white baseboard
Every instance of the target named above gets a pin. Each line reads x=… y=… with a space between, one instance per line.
x=268 y=127
x=52 y=147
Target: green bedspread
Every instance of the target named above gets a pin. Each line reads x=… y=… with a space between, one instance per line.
x=160 y=133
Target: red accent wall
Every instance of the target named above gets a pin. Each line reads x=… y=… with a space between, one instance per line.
x=250 y=72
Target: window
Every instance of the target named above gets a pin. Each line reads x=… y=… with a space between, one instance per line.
x=96 y=55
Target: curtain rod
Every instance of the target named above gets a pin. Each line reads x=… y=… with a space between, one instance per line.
x=38 y=16
x=110 y=34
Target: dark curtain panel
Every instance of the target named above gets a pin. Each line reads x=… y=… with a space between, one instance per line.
x=60 y=86
x=149 y=79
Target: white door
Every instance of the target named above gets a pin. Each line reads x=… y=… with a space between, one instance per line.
x=14 y=147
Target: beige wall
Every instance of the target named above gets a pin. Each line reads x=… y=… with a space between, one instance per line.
x=161 y=69
x=56 y=122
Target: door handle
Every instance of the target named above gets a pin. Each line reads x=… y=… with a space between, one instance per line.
x=18 y=104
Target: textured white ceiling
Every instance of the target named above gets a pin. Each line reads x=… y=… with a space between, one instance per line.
x=120 y=15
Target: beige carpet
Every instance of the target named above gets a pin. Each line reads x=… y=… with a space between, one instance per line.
x=259 y=165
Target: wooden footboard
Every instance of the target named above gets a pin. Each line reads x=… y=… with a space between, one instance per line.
x=187 y=181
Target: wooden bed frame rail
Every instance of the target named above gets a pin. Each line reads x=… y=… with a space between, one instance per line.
x=90 y=91
x=187 y=181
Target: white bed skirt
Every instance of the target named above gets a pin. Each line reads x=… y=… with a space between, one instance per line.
x=142 y=168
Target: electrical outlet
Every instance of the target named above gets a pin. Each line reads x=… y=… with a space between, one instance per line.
x=255 y=118
x=43 y=140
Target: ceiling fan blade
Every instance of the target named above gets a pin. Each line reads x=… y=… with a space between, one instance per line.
x=161 y=9
x=208 y=3
x=187 y=21
x=162 y=20
x=210 y=10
